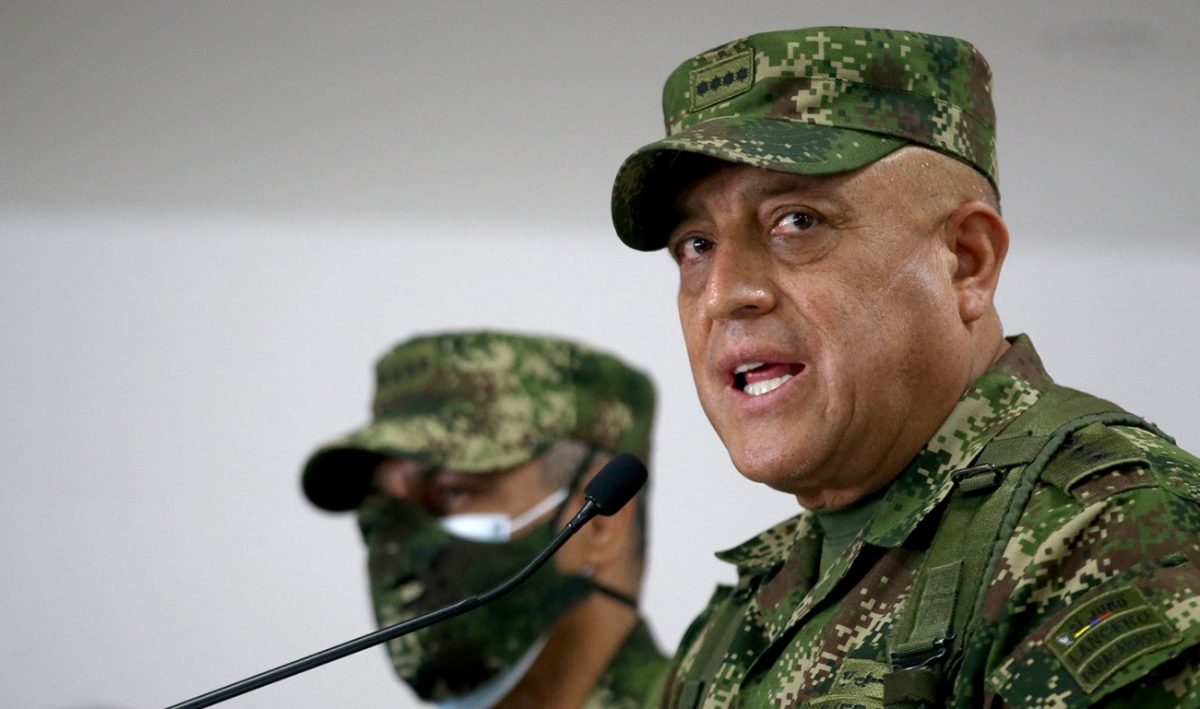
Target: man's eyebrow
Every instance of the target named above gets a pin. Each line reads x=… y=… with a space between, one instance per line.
x=815 y=187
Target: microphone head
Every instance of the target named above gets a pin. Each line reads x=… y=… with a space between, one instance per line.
x=616 y=483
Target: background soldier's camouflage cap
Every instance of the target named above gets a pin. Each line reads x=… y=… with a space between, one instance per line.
x=812 y=101
x=476 y=402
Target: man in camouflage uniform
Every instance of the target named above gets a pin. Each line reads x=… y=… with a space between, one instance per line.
x=975 y=534
x=478 y=452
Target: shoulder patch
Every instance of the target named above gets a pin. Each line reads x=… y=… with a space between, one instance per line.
x=1089 y=451
x=1107 y=633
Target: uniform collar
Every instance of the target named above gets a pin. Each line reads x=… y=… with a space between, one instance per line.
x=1006 y=389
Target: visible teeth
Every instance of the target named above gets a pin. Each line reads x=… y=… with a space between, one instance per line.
x=743 y=368
x=760 y=388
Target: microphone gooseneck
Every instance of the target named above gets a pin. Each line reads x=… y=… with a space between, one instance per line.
x=616 y=483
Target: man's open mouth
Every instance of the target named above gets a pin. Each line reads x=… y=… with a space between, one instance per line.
x=758 y=378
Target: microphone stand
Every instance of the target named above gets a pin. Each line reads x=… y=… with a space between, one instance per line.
x=589 y=510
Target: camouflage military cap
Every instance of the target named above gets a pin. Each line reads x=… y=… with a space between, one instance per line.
x=811 y=101
x=477 y=402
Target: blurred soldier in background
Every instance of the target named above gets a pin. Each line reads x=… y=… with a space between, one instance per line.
x=478 y=452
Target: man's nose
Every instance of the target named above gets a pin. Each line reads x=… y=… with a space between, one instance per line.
x=739 y=283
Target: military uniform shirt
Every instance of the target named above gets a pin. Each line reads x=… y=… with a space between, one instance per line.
x=840 y=527
x=635 y=673
x=1096 y=595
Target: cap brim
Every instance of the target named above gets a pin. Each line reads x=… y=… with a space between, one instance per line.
x=643 y=191
x=337 y=479
x=339 y=474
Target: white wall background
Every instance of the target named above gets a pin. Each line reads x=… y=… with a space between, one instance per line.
x=214 y=217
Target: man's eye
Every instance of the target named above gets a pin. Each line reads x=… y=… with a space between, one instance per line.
x=691 y=247
x=449 y=497
x=795 y=221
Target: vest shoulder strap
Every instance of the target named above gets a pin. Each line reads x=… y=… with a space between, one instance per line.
x=975 y=527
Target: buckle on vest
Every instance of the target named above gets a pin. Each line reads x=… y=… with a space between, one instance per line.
x=978 y=479
x=912 y=656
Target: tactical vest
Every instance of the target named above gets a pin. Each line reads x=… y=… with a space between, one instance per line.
x=943 y=608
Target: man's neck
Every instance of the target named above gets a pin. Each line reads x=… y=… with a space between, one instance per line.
x=580 y=648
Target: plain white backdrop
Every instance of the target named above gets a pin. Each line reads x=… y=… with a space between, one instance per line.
x=215 y=216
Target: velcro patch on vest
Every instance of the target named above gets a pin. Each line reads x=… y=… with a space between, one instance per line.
x=1107 y=633
x=858 y=684
x=722 y=80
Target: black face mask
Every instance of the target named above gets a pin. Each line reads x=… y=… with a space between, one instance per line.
x=415 y=566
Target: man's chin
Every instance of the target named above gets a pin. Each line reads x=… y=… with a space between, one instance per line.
x=774 y=471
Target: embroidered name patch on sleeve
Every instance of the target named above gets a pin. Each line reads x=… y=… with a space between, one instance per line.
x=1107 y=633
x=722 y=80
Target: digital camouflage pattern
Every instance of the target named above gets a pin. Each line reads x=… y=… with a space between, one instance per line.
x=812 y=101
x=1095 y=594
x=482 y=401
x=415 y=567
x=636 y=672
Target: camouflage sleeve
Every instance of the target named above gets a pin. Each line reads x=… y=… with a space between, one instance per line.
x=1177 y=684
x=1097 y=598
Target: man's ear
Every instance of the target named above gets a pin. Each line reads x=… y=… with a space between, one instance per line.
x=601 y=543
x=607 y=539
x=979 y=238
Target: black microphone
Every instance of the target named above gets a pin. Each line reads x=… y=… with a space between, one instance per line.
x=610 y=492
x=614 y=486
